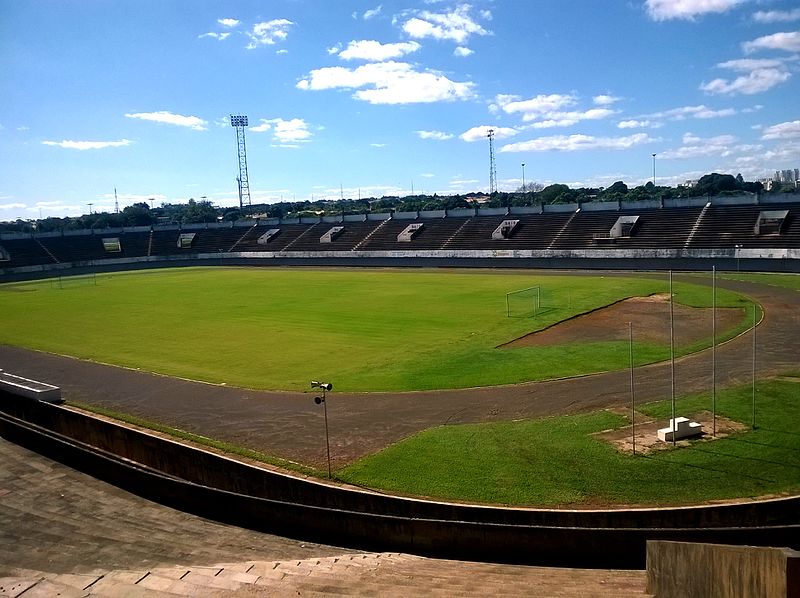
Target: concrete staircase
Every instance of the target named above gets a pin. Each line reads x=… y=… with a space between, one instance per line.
x=363 y=574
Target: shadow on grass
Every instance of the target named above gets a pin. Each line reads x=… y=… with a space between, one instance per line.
x=706 y=468
x=744 y=457
x=777 y=446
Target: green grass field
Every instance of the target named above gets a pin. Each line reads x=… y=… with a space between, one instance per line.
x=366 y=330
x=556 y=461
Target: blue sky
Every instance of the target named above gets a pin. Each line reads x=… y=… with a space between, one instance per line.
x=373 y=98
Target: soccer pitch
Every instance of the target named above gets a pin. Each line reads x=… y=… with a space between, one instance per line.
x=363 y=329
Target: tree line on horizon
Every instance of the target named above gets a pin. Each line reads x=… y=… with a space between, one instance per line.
x=533 y=194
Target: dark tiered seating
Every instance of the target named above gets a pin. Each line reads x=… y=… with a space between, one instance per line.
x=77 y=248
x=705 y=227
x=665 y=228
x=25 y=252
x=352 y=235
x=724 y=227
x=434 y=234
x=133 y=244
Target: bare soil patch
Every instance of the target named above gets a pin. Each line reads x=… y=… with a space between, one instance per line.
x=649 y=316
x=646 y=432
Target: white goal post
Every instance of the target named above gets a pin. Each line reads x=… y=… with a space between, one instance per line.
x=523 y=303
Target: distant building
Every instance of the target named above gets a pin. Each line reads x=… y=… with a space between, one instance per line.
x=689 y=183
x=787 y=176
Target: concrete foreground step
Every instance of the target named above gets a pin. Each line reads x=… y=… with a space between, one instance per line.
x=362 y=574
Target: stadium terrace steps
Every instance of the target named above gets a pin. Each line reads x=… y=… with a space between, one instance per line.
x=683 y=228
x=727 y=226
x=27 y=252
x=373 y=574
x=351 y=236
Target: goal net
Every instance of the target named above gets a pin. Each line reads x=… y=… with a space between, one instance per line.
x=524 y=303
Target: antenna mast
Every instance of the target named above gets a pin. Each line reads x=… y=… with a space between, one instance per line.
x=116 y=203
x=492 y=165
x=239 y=122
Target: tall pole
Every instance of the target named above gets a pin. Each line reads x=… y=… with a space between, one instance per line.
x=492 y=164
x=714 y=349
x=672 y=352
x=239 y=122
x=633 y=398
x=755 y=309
x=654 y=170
x=327 y=441
x=523 y=177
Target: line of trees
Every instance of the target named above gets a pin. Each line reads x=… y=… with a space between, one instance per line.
x=193 y=212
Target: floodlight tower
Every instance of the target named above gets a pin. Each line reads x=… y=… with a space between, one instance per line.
x=492 y=164
x=239 y=122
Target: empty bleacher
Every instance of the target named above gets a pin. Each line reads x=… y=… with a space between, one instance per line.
x=699 y=227
x=657 y=228
x=26 y=252
x=725 y=227
x=351 y=235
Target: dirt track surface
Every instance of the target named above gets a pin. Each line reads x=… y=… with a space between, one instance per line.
x=290 y=425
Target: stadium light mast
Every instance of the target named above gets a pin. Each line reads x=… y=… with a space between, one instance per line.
x=239 y=122
x=492 y=164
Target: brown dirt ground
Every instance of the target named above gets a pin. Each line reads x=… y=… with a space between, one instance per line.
x=647 y=440
x=649 y=317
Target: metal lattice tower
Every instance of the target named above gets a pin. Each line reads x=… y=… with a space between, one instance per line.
x=239 y=122
x=492 y=164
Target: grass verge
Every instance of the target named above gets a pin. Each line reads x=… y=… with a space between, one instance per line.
x=557 y=462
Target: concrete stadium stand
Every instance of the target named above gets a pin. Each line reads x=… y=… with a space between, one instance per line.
x=213 y=486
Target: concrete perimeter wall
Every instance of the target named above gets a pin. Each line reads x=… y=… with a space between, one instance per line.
x=686 y=570
x=214 y=486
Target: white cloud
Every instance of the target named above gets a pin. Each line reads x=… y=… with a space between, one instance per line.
x=571 y=143
x=378 y=145
x=567 y=119
x=284 y=132
x=217 y=36
x=697 y=147
x=456 y=25
x=389 y=83
x=777 y=16
x=535 y=107
x=547 y=111
x=605 y=100
x=756 y=81
x=268 y=33
x=163 y=116
x=784 y=40
x=787 y=130
x=482 y=132
x=437 y=135
x=715 y=113
x=372 y=13
x=683 y=112
x=751 y=64
x=12 y=206
x=664 y=10
x=633 y=124
x=228 y=22
x=88 y=145
x=374 y=51
x=462 y=51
